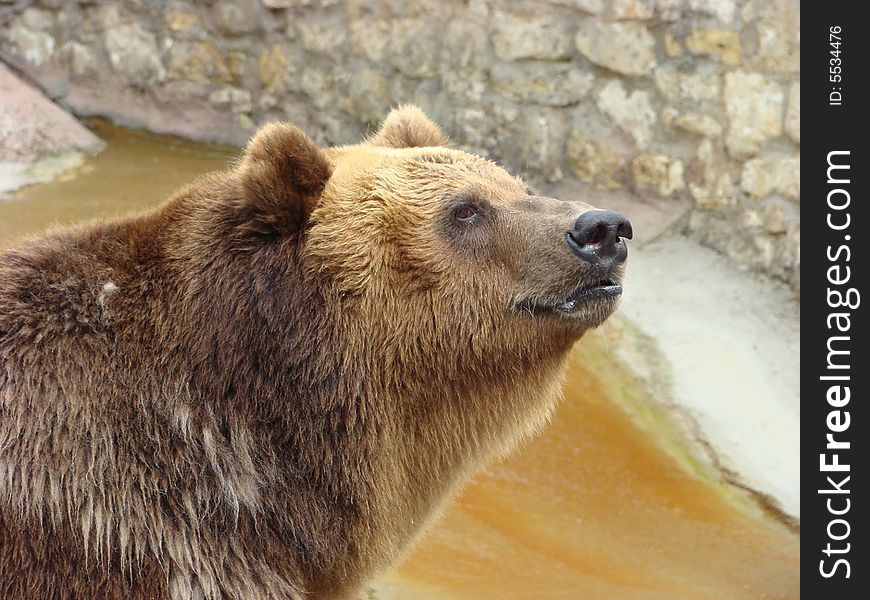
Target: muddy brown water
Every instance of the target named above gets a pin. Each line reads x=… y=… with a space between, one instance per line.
x=600 y=506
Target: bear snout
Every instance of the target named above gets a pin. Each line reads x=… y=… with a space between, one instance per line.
x=598 y=237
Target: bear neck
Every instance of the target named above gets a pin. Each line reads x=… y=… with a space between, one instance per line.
x=365 y=430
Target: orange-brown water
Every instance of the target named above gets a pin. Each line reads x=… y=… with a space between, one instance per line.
x=136 y=171
x=595 y=508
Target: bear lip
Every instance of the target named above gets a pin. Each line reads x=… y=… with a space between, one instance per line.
x=603 y=288
x=606 y=289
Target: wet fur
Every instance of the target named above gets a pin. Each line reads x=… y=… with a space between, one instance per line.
x=235 y=395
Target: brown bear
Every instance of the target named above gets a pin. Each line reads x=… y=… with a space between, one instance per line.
x=268 y=386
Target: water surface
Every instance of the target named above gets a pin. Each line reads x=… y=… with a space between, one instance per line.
x=597 y=508
x=136 y=170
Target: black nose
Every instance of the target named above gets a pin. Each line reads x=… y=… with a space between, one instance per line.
x=598 y=237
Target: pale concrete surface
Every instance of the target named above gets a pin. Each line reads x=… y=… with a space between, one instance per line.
x=732 y=343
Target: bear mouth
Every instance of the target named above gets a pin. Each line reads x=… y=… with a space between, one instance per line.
x=603 y=288
x=606 y=290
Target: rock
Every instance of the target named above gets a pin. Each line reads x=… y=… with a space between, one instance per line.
x=246 y=122
x=479 y=8
x=703 y=84
x=198 y=61
x=110 y=16
x=504 y=113
x=464 y=76
x=267 y=102
x=793 y=113
x=370 y=100
x=369 y=38
x=235 y=99
x=476 y=129
x=82 y=59
x=133 y=52
x=633 y=9
x=717 y=193
x=36 y=47
x=278 y=4
x=762 y=177
x=536 y=141
x=751 y=219
x=788 y=264
x=414 y=46
x=788 y=180
x=716 y=42
x=32 y=126
x=407 y=8
x=276 y=70
x=717 y=189
x=319 y=86
x=338 y=129
x=179 y=21
x=320 y=35
x=657 y=173
x=754 y=105
x=594 y=162
x=236 y=18
x=297 y=110
x=37 y=19
x=673 y=46
x=668 y=115
x=724 y=10
x=626 y=48
x=699 y=124
x=237 y=64
x=595 y=7
x=669 y=10
x=551 y=84
x=774 y=219
x=757 y=178
x=516 y=37
x=764 y=252
x=779 y=42
x=632 y=113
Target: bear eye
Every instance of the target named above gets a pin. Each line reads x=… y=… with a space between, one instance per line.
x=466 y=213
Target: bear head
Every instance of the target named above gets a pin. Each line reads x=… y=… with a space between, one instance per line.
x=435 y=246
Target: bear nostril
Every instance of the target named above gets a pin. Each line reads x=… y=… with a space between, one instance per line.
x=598 y=234
x=624 y=230
x=597 y=227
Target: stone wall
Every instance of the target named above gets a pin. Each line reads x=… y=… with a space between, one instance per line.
x=682 y=100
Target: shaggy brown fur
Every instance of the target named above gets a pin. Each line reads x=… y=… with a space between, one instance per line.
x=268 y=386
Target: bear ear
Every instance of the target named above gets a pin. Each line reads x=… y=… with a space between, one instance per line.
x=283 y=175
x=408 y=127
